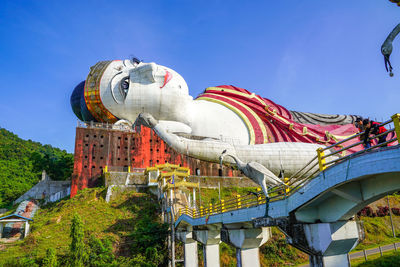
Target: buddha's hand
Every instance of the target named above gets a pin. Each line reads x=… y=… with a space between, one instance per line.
x=146 y=120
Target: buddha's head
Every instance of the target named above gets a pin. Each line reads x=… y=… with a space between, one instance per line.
x=121 y=89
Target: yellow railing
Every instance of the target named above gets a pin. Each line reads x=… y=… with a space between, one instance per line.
x=292 y=184
x=239 y=202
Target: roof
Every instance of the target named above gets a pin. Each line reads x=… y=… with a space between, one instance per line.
x=16 y=215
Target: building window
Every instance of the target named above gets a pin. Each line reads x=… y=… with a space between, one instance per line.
x=126 y=138
x=101 y=145
x=119 y=137
x=101 y=157
x=197 y=171
x=126 y=158
x=85 y=157
x=93 y=167
x=94 y=145
x=118 y=147
x=94 y=136
x=126 y=147
x=93 y=157
x=86 y=144
x=87 y=135
x=85 y=166
x=219 y=172
x=119 y=159
x=101 y=136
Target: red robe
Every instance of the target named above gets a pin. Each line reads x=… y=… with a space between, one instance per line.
x=269 y=122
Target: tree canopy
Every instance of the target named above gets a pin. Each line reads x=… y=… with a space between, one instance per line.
x=22 y=162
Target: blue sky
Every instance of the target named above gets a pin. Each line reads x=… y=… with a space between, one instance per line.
x=316 y=56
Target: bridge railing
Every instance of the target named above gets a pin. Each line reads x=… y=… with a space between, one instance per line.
x=293 y=183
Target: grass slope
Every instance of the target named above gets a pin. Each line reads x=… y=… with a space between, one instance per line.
x=115 y=221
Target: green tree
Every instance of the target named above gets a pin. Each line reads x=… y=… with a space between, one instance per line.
x=78 y=256
x=100 y=252
x=22 y=162
x=50 y=260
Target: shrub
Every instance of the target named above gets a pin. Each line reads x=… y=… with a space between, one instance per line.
x=77 y=248
x=366 y=212
x=50 y=260
x=382 y=211
x=396 y=211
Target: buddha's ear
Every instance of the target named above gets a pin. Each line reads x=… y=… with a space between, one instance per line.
x=146 y=72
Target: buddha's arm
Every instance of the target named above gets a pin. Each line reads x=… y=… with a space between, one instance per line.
x=198 y=147
x=289 y=157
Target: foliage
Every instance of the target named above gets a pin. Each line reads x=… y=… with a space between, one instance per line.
x=22 y=162
x=149 y=238
x=100 y=252
x=50 y=260
x=78 y=255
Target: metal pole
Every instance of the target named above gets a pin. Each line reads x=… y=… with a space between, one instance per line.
x=365 y=255
x=391 y=219
x=219 y=191
x=172 y=242
x=380 y=250
x=199 y=192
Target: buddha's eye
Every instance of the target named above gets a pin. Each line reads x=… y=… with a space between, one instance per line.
x=124 y=86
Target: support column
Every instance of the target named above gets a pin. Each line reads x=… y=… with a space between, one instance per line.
x=190 y=248
x=26 y=229
x=210 y=240
x=247 y=243
x=326 y=243
x=1 y=229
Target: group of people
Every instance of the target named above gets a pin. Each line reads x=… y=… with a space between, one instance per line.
x=370 y=129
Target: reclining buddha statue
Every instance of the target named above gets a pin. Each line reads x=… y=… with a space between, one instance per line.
x=245 y=125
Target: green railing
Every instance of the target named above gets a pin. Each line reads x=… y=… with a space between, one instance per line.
x=297 y=180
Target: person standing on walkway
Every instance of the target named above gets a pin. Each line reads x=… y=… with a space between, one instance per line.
x=373 y=128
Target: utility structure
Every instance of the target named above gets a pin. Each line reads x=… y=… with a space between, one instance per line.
x=175 y=194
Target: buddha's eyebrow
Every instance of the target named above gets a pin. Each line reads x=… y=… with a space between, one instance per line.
x=115 y=75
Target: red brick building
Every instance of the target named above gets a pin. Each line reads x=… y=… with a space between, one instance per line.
x=98 y=145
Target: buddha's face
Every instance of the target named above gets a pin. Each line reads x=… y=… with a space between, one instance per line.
x=122 y=89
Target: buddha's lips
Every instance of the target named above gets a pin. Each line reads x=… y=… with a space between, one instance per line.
x=167 y=78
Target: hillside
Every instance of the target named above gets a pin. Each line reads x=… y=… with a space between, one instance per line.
x=129 y=225
x=22 y=161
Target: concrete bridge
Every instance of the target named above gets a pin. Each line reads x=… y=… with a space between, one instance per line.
x=315 y=212
x=317 y=218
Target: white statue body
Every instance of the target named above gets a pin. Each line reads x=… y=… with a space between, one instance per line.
x=128 y=89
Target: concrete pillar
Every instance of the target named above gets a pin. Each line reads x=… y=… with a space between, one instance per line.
x=191 y=258
x=247 y=243
x=26 y=229
x=210 y=240
x=1 y=229
x=326 y=243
